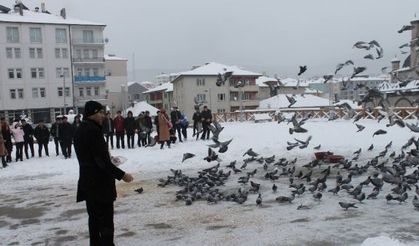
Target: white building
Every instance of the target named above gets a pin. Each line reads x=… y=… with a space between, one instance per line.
x=116 y=83
x=48 y=63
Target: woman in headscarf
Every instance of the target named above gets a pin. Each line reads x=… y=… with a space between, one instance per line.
x=163 y=125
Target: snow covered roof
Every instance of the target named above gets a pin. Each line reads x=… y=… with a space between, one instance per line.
x=369 y=79
x=142 y=107
x=395 y=59
x=262 y=79
x=44 y=18
x=214 y=69
x=290 y=82
x=402 y=69
x=167 y=87
x=114 y=58
x=146 y=84
x=306 y=101
x=390 y=87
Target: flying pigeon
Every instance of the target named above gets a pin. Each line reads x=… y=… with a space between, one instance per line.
x=412 y=127
x=291 y=100
x=187 y=156
x=379 y=53
x=212 y=156
x=224 y=146
x=250 y=152
x=222 y=78
x=358 y=70
x=369 y=56
x=360 y=127
x=302 y=70
x=317 y=147
x=371 y=147
x=405 y=28
x=379 y=132
x=327 y=78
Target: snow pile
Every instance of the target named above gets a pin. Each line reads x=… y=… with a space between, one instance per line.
x=382 y=241
x=142 y=107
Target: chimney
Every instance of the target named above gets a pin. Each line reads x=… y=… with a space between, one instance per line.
x=395 y=64
x=43 y=7
x=63 y=13
x=37 y=9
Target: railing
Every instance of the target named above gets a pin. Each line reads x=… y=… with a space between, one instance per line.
x=97 y=60
x=100 y=41
x=318 y=113
x=89 y=78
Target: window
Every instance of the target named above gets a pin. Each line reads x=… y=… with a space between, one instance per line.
x=64 y=52
x=200 y=82
x=9 y=52
x=32 y=52
x=95 y=71
x=87 y=36
x=221 y=110
x=60 y=91
x=221 y=97
x=201 y=98
x=67 y=91
x=39 y=52
x=78 y=53
x=87 y=72
x=59 y=72
x=79 y=72
x=96 y=91
x=37 y=73
x=35 y=35
x=94 y=54
x=11 y=73
x=60 y=36
x=35 y=93
x=18 y=73
x=57 y=53
x=13 y=93
x=17 y=53
x=88 y=91
x=66 y=72
x=81 y=92
x=86 y=54
x=42 y=92
x=20 y=93
x=12 y=34
x=41 y=73
x=34 y=73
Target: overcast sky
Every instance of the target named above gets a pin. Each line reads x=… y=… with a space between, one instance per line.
x=273 y=36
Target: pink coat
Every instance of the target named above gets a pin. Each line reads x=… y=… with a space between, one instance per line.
x=18 y=133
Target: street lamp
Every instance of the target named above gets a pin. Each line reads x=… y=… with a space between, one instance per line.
x=64 y=106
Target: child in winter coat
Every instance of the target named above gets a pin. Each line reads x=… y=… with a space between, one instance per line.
x=18 y=135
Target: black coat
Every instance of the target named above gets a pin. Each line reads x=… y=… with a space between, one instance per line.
x=66 y=132
x=196 y=117
x=129 y=125
x=97 y=173
x=107 y=126
x=28 y=130
x=41 y=134
x=175 y=116
x=207 y=116
x=148 y=122
x=55 y=130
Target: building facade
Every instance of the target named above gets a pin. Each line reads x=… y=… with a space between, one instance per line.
x=161 y=97
x=116 y=83
x=41 y=68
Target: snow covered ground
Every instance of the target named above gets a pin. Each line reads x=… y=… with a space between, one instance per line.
x=37 y=196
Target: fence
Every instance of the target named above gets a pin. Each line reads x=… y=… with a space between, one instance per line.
x=403 y=113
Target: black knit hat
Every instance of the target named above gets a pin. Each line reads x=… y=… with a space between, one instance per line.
x=91 y=108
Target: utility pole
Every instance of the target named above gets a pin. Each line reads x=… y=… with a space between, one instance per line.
x=64 y=106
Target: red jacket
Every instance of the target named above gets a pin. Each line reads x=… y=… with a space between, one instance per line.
x=118 y=123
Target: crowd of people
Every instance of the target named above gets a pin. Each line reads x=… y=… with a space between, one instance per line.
x=20 y=137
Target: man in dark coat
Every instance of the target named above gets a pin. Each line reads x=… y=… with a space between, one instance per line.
x=41 y=134
x=148 y=126
x=108 y=129
x=7 y=136
x=28 y=138
x=196 y=117
x=55 y=132
x=66 y=137
x=206 y=118
x=96 y=183
x=175 y=116
x=129 y=125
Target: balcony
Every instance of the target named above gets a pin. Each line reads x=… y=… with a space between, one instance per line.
x=253 y=88
x=246 y=103
x=99 y=41
x=89 y=60
x=89 y=79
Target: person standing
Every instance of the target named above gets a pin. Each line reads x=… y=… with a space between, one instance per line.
x=96 y=184
x=206 y=118
x=41 y=134
x=175 y=118
x=129 y=125
x=184 y=124
x=28 y=143
x=162 y=124
x=196 y=117
x=148 y=126
x=55 y=132
x=118 y=123
x=18 y=135
x=7 y=136
x=3 y=151
x=108 y=129
x=66 y=137
x=139 y=128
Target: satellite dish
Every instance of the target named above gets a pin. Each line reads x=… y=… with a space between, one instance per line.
x=106 y=40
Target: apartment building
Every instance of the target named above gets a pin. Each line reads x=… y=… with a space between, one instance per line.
x=45 y=62
x=161 y=96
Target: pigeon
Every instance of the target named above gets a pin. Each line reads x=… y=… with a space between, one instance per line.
x=412 y=127
x=317 y=196
x=339 y=67
x=349 y=62
x=291 y=100
x=259 y=200
x=415 y=202
x=139 y=190
x=369 y=56
x=222 y=78
x=187 y=156
x=405 y=28
x=212 y=156
x=404 y=46
x=384 y=69
x=360 y=198
x=327 y=78
x=335 y=190
x=360 y=127
x=379 y=53
x=274 y=188
x=251 y=153
x=224 y=146
x=374 y=194
x=371 y=147
x=379 y=132
x=284 y=199
x=302 y=70
x=317 y=147
x=303 y=144
x=358 y=151
x=361 y=45
x=346 y=205
x=301 y=207
x=374 y=43
x=358 y=70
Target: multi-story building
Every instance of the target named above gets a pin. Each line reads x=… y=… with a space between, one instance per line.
x=199 y=84
x=164 y=77
x=48 y=63
x=116 y=82
x=161 y=97
x=136 y=91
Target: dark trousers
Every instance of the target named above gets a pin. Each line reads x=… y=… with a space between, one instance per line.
x=101 y=228
x=19 y=151
x=29 y=144
x=206 y=131
x=66 y=148
x=130 y=140
x=162 y=144
x=57 y=144
x=142 y=141
x=185 y=132
x=178 y=129
x=109 y=136
x=196 y=129
x=40 y=145
x=3 y=161
x=120 y=140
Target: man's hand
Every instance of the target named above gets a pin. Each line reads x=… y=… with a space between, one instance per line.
x=127 y=178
